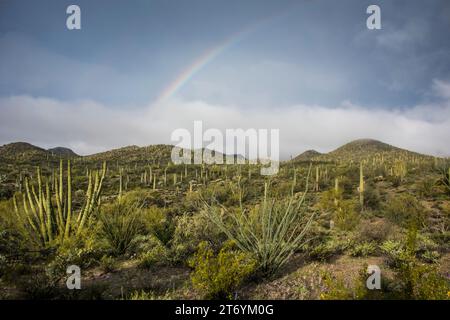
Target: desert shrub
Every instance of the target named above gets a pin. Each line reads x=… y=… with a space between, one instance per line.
x=426 y=187
x=377 y=231
x=218 y=276
x=150 y=295
x=271 y=231
x=405 y=210
x=226 y=193
x=156 y=254
x=145 y=197
x=108 y=263
x=42 y=286
x=119 y=225
x=335 y=288
x=394 y=251
x=444 y=179
x=371 y=197
x=395 y=180
x=414 y=280
x=12 y=243
x=3 y=265
x=345 y=215
x=159 y=222
x=330 y=199
x=328 y=248
x=80 y=254
x=363 y=249
x=348 y=185
x=430 y=256
x=190 y=230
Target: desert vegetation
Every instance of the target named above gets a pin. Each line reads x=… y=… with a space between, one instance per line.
x=141 y=227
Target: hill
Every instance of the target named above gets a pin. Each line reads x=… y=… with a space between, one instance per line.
x=21 y=151
x=153 y=154
x=308 y=155
x=61 y=151
x=358 y=150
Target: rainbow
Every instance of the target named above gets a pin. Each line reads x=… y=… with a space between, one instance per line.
x=211 y=54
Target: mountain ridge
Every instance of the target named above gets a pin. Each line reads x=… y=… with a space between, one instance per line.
x=354 y=150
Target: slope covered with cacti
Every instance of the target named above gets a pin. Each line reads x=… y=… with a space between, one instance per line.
x=133 y=220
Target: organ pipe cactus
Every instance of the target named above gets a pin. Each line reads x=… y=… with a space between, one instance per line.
x=48 y=217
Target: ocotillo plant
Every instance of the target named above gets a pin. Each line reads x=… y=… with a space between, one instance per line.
x=49 y=224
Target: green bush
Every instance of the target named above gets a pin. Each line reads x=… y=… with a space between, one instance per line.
x=371 y=197
x=149 y=295
x=414 y=280
x=394 y=251
x=374 y=231
x=335 y=289
x=345 y=216
x=159 y=222
x=426 y=187
x=330 y=247
x=218 y=276
x=405 y=210
x=156 y=254
x=190 y=230
x=108 y=263
x=362 y=249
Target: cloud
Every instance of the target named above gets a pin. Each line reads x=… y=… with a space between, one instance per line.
x=89 y=127
x=441 y=88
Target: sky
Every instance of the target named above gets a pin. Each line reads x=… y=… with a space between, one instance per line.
x=138 y=70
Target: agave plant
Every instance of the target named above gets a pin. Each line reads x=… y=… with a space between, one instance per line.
x=271 y=231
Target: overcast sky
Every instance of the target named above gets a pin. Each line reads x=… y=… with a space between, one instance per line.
x=137 y=70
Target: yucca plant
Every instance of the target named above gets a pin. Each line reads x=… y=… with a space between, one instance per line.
x=271 y=232
x=48 y=217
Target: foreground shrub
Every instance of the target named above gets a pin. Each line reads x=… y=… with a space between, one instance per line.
x=328 y=248
x=159 y=222
x=155 y=254
x=190 y=230
x=374 y=231
x=414 y=280
x=108 y=263
x=363 y=249
x=149 y=295
x=218 y=276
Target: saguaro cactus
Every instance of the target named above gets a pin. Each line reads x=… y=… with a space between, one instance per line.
x=361 y=185
x=336 y=191
x=120 y=182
